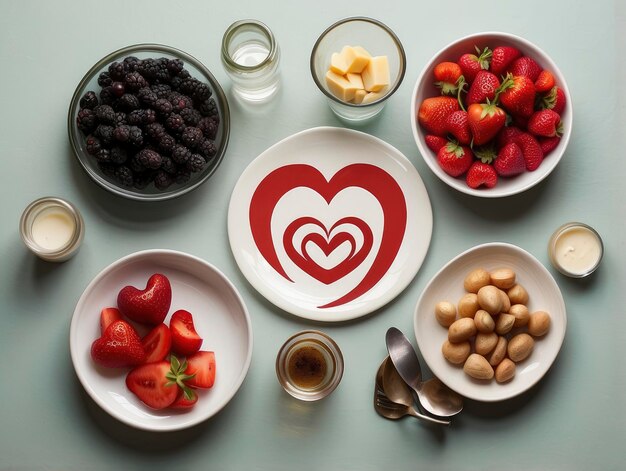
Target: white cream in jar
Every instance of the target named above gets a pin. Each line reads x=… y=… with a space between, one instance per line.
x=575 y=249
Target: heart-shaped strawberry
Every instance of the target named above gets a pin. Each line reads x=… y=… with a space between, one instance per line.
x=148 y=306
x=119 y=346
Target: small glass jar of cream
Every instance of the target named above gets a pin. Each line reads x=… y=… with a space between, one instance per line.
x=250 y=56
x=52 y=229
x=309 y=365
x=575 y=249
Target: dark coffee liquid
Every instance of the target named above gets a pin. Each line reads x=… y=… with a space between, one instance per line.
x=307 y=367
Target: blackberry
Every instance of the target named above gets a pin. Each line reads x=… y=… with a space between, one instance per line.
x=190 y=116
x=162 y=180
x=180 y=154
x=149 y=158
x=207 y=148
x=182 y=176
x=168 y=165
x=128 y=102
x=208 y=107
x=105 y=134
x=107 y=96
x=104 y=79
x=147 y=96
x=208 y=127
x=141 y=116
x=131 y=63
x=92 y=144
x=162 y=90
x=174 y=66
x=192 y=136
x=148 y=68
x=183 y=74
x=124 y=175
x=135 y=136
x=162 y=73
x=105 y=114
x=117 y=71
x=163 y=106
x=180 y=101
x=119 y=155
x=142 y=179
x=107 y=168
x=86 y=120
x=89 y=100
x=195 y=89
x=176 y=82
x=175 y=123
x=122 y=133
x=196 y=163
x=134 y=81
x=166 y=144
x=155 y=131
x=118 y=89
x=103 y=155
x=135 y=165
x=120 y=118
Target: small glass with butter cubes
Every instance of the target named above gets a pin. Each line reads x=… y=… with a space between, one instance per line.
x=358 y=63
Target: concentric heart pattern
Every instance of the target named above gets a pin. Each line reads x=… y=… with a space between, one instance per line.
x=330 y=224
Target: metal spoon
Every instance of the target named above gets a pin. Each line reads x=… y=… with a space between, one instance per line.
x=434 y=396
x=389 y=409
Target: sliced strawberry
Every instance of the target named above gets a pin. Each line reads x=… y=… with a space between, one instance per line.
x=157 y=343
x=458 y=126
x=435 y=143
x=544 y=82
x=481 y=174
x=447 y=75
x=185 y=399
x=527 y=67
x=471 y=64
x=483 y=88
x=108 y=315
x=119 y=346
x=510 y=161
x=185 y=339
x=485 y=121
x=548 y=144
x=455 y=159
x=545 y=123
x=157 y=384
x=502 y=57
x=201 y=366
x=433 y=113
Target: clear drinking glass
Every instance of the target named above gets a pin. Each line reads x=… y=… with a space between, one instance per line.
x=250 y=55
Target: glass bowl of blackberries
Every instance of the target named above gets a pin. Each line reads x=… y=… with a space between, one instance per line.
x=149 y=122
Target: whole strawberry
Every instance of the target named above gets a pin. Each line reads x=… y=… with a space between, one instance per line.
x=502 y=57
x=481 y=174
x=517 y=95
x=455 y=159
x=435 y=143
x=447 y=76
x=483 y=88
x=510 y=161
x=533 y=155
x=545 y=123
x=471 y=64
x=548 y=144
x=526 y=67
x=433 y=113
x=150 y=305
x=554 y=100
x=544 y=82
x=485 y=121
x=507 y=135
x=119 y=346
x=458 y=126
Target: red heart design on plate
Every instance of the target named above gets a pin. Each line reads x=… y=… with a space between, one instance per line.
x=328 y=245
x=372 y=179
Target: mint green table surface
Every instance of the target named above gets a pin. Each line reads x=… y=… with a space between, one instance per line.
x=573 y=419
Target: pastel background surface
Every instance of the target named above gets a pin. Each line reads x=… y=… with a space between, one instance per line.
x=574 y=419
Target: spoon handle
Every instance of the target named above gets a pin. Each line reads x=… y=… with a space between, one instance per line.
x=411 y=411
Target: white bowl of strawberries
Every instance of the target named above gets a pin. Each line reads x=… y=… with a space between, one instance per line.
x=491 y=114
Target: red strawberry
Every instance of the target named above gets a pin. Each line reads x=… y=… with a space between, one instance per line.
x=157 y=384
x=510 y=161
x=555 y=100
x=435 y=142
x=447 y=75
x=433 y=113
x=544 y=82
x=107 y=316
x=545 y=123
x=148 y=306
x=533 y=155
x=185 y=339
x=507 y=135
x=458 y=126
x=455 y=159
x=202 y=367
x=517 y=95
x=184 y=401
x=526 y=67
x=471 y=64
x=119 y=346
x=157 y=343
x=483 y=88
x=502 y=57
x=548 y=144
x=485 y=121
x=481 y=174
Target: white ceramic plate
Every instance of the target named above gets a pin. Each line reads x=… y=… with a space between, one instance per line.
x=330 y=224
x=220 y=317
x=447 y=284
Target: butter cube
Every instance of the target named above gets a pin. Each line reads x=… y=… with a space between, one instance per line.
x=338 y=64
x=340 y=86
x=376 y=74
x=357 y=58
x=356 y=80
x=371 y=97
x=359 y=96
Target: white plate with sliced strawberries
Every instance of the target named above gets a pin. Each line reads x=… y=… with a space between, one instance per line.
x=161 y=340
x=491 y=114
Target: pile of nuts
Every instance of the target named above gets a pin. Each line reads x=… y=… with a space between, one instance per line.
x=495 y=330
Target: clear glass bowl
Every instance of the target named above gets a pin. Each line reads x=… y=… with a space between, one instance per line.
x=376 y=38
x=150 y=193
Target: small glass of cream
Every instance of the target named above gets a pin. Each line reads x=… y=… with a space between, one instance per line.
x=52 y=229
x=575 y=249
x=309 y=365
